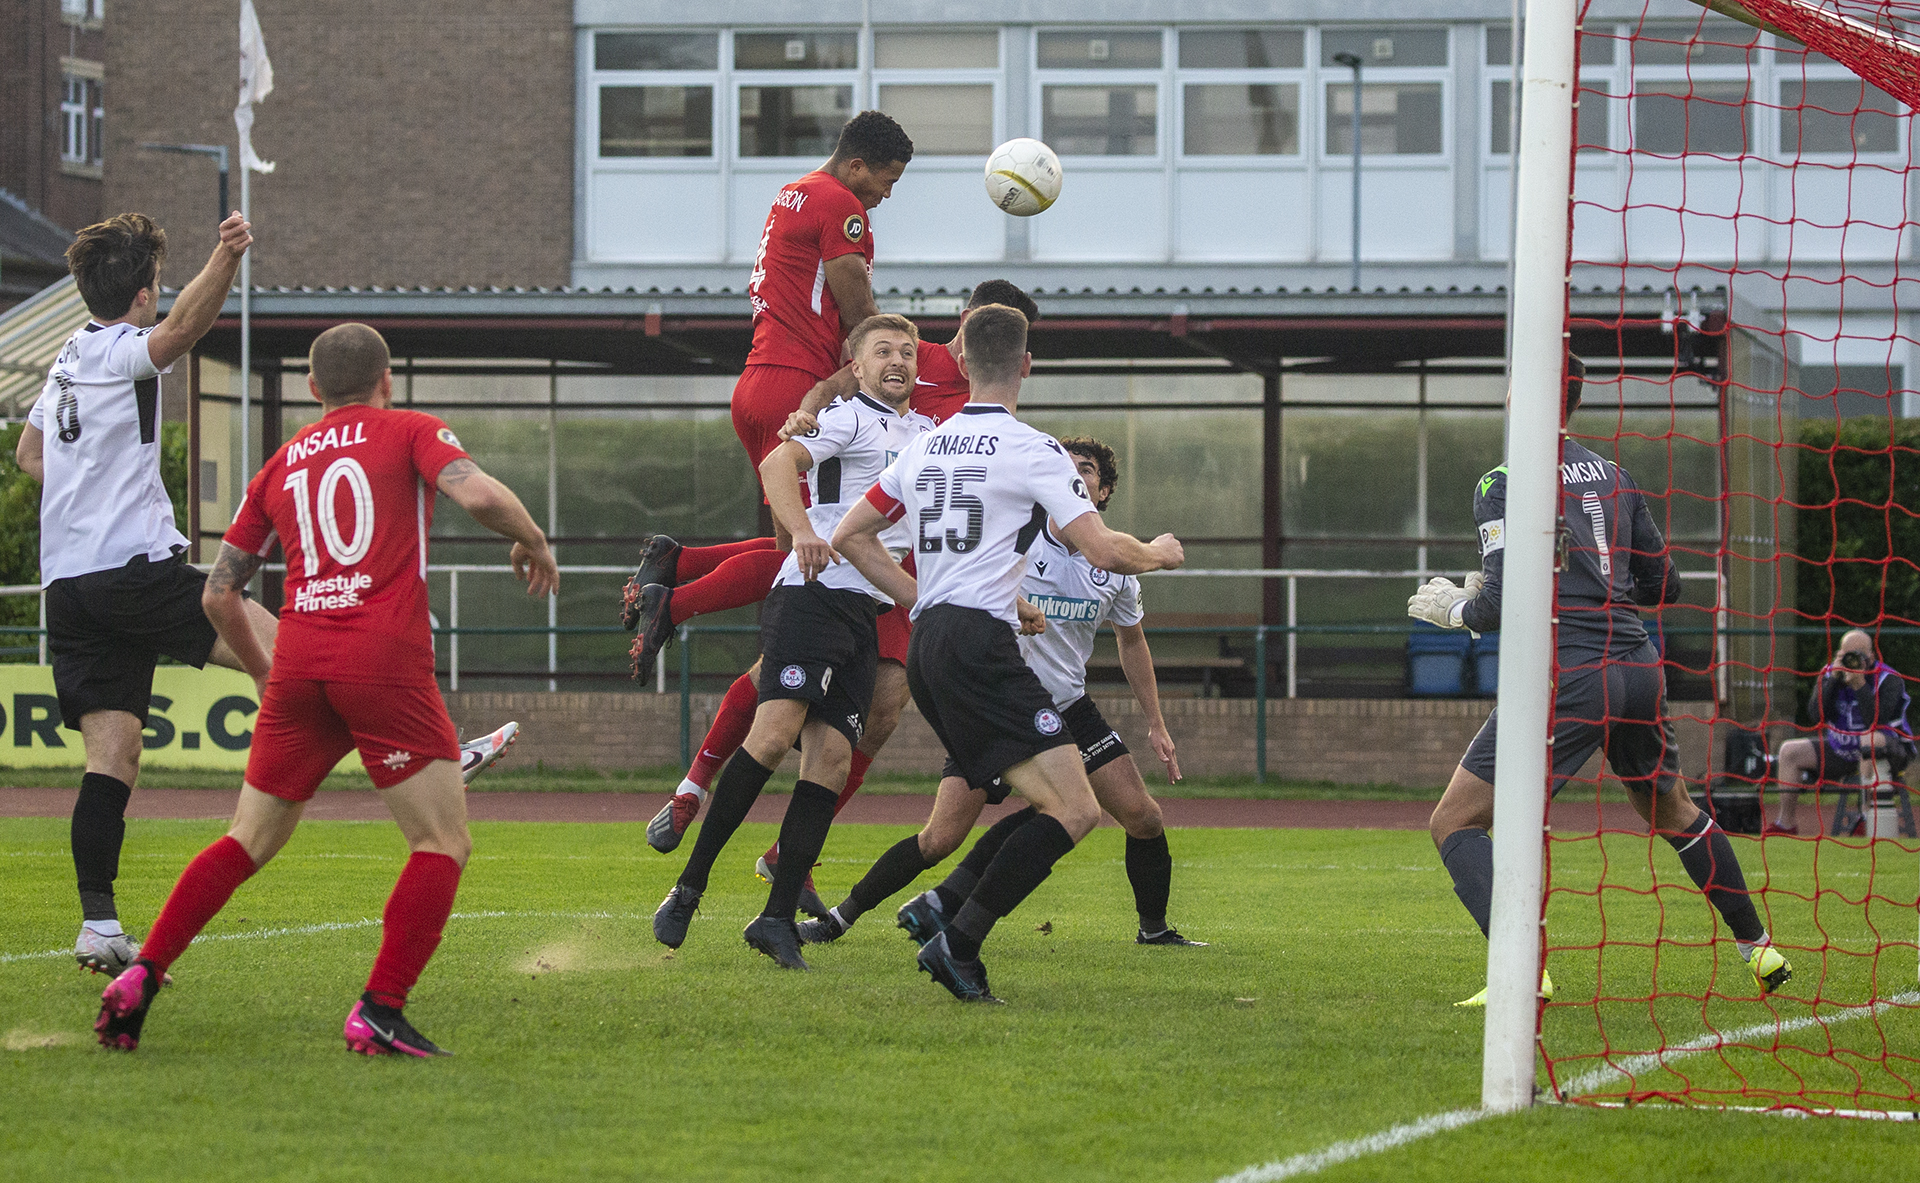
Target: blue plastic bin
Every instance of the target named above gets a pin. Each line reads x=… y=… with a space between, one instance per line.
x=1436 y=661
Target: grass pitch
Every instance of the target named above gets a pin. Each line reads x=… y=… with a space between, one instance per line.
x=1322 y=1013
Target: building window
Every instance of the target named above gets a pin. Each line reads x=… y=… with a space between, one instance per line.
x=656 y=51
x=792 y=120
x=1592 y=126
x=1252 y=120
x=943 y=120
x=796 y=51
x=80 y=115
x=1099 y=49
x=1396 y=119
x=656 y=121
x=906 y=49
x=1695 y=43
x=1836 y=115
x=1242 y=49
x=1101 y=120
x=1680 y=116
x=1393 y=46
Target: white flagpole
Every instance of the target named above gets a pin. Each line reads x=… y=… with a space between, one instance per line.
x=246 y=338
x=256 y=83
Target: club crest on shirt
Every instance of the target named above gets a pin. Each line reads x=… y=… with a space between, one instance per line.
x=448 y=438
x=855 y=227
x=1047 y=722
x=793 y=677
x=1100 y=577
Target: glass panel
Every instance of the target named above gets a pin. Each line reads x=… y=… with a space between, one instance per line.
x=656 y=51
x=792 y=120
x=1672 y=454
x=656 y=121
x=1099 y=49
x=1350 y=388
x=428 y=388
x=1242 y=49
x=943 y=120
x=913 y=50
x=1349 y=473
x=1680 y=116
x=1841 y=115
x=1486 y=389
x=1596 y=109
x=1396 y=119
x=643 y=389
x=1385 y=46
x=1101 y=120
x=1242 y=120
x=1145 y=387
x=1461 y=446
x=1848 y=392
x=1706 y=43
x=796 y=51
x=1596 y=48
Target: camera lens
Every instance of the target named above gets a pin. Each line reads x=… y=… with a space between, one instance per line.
x=1853 y=661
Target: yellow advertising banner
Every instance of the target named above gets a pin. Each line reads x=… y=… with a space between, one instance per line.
x=197 y=719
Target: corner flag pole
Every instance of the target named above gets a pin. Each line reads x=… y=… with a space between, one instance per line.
x=1538 y=366
x=246 y=340
x=256 y=83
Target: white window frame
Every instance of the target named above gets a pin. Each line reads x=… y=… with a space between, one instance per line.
x=1300 y=77
x=1326 y=77
x=714 y=78
x=1785 y=74
x=1630 y=79
x=1492 y=75
x=82 y=122
x=735 y=79
x=993 y=77
x=1162 y=80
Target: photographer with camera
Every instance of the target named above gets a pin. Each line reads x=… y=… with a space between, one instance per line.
x=1859 y=708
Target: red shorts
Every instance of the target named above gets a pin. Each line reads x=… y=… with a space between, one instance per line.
x=894 y=631
x=762 y=399
x=306 y=727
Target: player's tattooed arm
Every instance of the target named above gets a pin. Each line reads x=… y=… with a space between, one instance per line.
x=233 y=570
x=241 y=643
x=457 y=473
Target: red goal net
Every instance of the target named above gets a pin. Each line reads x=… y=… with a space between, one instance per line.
x=1749 y=197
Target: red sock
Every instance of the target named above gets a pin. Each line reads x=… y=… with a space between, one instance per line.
x=855 y=775
x=695 y=561
x=416 y=913
x=730 y=726
x=204 y=888
x=741 y=580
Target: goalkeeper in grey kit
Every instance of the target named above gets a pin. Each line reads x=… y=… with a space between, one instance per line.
x=1610 y=693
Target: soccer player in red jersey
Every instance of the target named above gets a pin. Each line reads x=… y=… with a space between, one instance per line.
x=349 y=499
x=812 y=282
x=940 y=390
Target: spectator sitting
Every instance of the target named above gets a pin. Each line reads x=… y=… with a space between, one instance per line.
x=1859 y=704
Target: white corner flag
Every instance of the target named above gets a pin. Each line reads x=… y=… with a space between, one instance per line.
x=256 y=83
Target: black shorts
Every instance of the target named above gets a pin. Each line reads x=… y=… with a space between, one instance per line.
x=819 y=644
x=1619 y=705
x=107 y=629
x=976 y=692
x=1100 y=745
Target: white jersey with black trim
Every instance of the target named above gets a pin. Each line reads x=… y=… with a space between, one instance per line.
x=854 y=441
x=103 y=503
x=1077 y=598
x=975 y=492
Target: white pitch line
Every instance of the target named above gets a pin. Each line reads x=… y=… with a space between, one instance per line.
x=1400 y=1135
x=342 y=926
x=1339 y=1152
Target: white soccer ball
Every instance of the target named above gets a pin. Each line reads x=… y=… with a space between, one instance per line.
x=1023 y=177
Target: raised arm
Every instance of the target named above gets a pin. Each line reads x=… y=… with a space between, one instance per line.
x=226 y=608
x=1122 y=554
x=858 y=541
x=852 y=289
x=830 y=390
x=198 y=304
x=494 y=506
x=1136 y=661
x=30 y=452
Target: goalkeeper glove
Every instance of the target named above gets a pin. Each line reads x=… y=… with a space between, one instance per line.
x=1439 y=601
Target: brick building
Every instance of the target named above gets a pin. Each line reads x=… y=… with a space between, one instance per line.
x=52 y=81
x=444 y=156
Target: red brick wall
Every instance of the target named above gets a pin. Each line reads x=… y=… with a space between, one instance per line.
x=33 y=39
x=427 y=143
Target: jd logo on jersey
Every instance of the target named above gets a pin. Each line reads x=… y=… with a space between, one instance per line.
x=855 y=227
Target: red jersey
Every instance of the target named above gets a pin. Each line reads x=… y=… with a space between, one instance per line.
x=795 y=321
x=350 y=499
x=941 y=389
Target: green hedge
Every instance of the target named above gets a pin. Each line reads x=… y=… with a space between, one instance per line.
x=1859 y=533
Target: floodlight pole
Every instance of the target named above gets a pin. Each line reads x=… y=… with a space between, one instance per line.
x=1538 y=365
x=1352 y=62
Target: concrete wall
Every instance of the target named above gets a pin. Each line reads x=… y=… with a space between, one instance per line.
x=1352 y=741
x=428 y=143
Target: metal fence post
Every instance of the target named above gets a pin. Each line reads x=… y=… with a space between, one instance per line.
x=1293 y=636
x=686 y=695
x=1260 y=705
x=453 y=626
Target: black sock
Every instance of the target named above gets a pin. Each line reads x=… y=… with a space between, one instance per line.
x=1150 y=870
x=99 y=827
x=1468 y=855
x=803 y=832
x=734 y=793
x=964 y=878
x=1023 y=864
x=891 y=872
x=1708 y=857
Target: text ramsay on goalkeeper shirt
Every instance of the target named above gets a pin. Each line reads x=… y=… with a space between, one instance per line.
x=975 y=493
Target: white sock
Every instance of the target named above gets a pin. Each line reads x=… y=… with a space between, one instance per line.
x=837 y=919
x=1747 y=948
x=106 y=928
x=687 y=786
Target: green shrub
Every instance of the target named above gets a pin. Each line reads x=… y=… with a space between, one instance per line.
x=1859 y=535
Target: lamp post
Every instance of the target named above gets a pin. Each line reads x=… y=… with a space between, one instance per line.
x=1352 y=62
x=217 y=152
